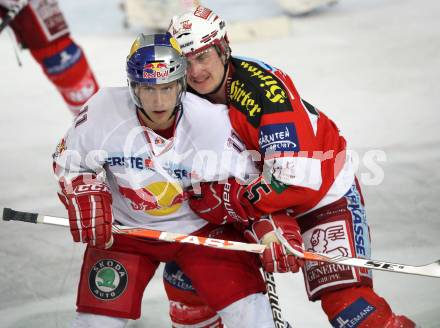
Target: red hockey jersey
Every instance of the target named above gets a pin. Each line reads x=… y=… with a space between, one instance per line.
x=303 y=157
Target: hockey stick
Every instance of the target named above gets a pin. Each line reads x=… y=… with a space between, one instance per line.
x=12 y=13
x=274 y=301
x=429 y=270
x=12 y=215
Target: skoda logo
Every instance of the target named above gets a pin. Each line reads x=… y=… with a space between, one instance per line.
x=108 y=279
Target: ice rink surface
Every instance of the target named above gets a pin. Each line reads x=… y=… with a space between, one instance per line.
x=373 y=66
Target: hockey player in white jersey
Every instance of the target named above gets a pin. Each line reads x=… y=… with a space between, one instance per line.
x=127 y=159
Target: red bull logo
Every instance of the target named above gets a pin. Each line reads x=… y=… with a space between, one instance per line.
x=157 y=199
x=156 y=70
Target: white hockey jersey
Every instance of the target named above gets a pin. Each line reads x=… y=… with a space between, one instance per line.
x=148 y=174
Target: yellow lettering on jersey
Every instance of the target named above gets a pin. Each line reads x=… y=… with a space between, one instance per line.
x=274 y=93
x=239 y=94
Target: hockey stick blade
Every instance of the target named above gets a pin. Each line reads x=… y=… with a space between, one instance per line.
x=428 y=270
x=13 y=215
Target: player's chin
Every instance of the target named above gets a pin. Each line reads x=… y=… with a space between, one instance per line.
x=202 y=86
x=161 y=114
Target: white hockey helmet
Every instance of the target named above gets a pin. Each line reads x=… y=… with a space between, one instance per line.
x=198 y=30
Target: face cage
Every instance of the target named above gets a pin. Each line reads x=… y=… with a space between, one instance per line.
x=132 y=86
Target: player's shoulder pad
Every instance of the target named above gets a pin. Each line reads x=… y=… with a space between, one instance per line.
x=255 y=89
x=105 y=109
x=199 y=110
x=206 y=123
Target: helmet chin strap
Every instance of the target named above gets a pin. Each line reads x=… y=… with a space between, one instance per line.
x=144 y=112
x=176 y=110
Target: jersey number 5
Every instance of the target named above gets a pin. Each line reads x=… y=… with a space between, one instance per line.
x=256 y=191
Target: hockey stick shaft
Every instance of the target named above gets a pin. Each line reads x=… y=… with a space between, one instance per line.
x=11 y=14
x=429 y=270
x=12 y=215
x=274 y=301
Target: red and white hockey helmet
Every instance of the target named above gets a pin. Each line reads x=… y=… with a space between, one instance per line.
x=199 y=29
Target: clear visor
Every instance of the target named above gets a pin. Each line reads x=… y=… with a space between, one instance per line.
x=134 y=88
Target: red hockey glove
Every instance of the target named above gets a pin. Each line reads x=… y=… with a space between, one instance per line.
x=90 y=213
x=276 y=257
x=221 y=203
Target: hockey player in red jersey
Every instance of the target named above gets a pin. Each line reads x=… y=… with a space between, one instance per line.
x=307 y=188
x=40 y=26
x=128 y=157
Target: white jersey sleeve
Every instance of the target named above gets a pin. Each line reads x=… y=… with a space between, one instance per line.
x=81 y=151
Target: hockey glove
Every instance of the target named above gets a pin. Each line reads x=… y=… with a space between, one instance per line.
x=90 y=213
x=221 y=203
x=276 y=257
